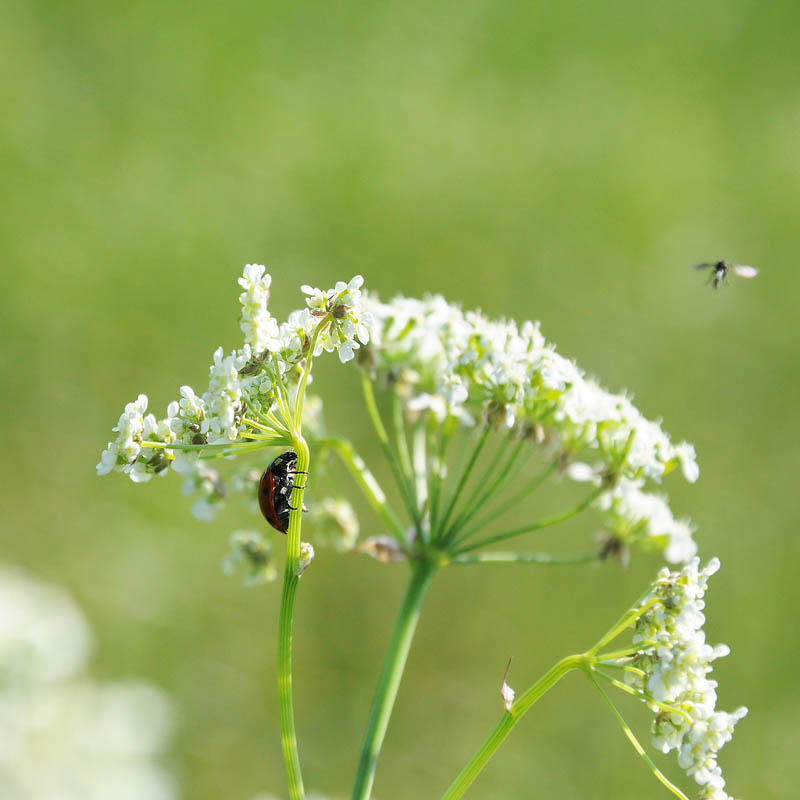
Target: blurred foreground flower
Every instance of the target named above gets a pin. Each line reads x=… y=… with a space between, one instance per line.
x=62 y=735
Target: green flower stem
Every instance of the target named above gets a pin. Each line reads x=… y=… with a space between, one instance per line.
x=645 y=697
x=366 y=481
x=420 y=465
x=301 y=388
x=479 y=498
x=272 y=428
x=234 y=447
x=383 y=437
x=536 y=526
x=446 y=432
x=391 y=674
x=282 y=397
x=290 y=581
x=507 y=722
x=617 y=654
x=623 y=623
x=500 y=557
x=462 y=480
x=634 y=741
x=506 y=505
x=401 y=439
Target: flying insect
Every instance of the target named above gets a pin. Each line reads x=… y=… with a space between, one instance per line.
x=720 y=270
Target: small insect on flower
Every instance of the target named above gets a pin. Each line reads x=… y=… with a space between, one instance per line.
x=720 y=270
x=275 y=490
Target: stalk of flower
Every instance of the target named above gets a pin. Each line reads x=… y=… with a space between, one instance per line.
x=665 y=666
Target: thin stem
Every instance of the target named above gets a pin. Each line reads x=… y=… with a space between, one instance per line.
x=389 y=681
x=233 y=446
x=383 y=437
x=500 y=557
x=282 y=397
x=617 y=654
x=301 y=388
x=401 y=440
x=623 y=623
x=634 y=741
x=290 y=581
x=462 y=481
x=446 y=431
x=645 y=697
x=507 y=722
x=507 y=505
x=366 y=480
x=420 y=466
x=266 y=428
x=479 y=498
x=536 y=526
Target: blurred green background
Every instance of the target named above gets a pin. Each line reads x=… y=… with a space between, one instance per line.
x=562 y=162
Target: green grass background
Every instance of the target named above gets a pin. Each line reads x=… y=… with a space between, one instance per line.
x=563 y=162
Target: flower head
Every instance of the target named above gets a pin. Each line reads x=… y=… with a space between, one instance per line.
x=671 y=669
x=349 y=323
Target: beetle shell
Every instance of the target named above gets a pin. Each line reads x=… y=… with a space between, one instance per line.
x=275 y=490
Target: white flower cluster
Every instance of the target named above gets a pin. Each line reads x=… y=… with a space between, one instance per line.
x=259 y=327
x=125 y=453
x=241 y=383
x=350 y=323
x=638 y=517
x=675 y=662
x=64 y=735
x=464 y=365
x=452 y=363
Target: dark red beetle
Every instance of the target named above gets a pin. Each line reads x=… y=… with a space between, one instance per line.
x=275 y=490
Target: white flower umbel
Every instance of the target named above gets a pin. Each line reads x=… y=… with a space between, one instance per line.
x=502 y=370
x=668 y=667
x=461 y=368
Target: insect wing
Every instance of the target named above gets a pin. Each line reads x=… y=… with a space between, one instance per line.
x=744 y=271
x=704 y=265
x=266 y=501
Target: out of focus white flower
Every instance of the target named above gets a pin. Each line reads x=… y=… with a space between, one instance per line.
x=43 y=634
x=65 y=737
x=335 y=523
x=250 y=550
